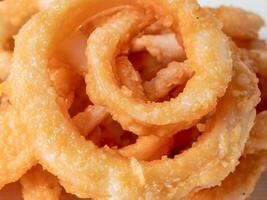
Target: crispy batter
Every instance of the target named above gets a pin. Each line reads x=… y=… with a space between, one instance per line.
x=57 y=141
x=240 y=184
x=39 y=184
x=5 y=61
x=163 y=119
x=172 y=100
x=246 y=28
x=16 y=155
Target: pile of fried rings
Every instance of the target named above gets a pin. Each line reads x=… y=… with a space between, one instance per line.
x=130 y=100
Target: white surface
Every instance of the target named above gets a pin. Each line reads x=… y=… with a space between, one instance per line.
x=257 y=6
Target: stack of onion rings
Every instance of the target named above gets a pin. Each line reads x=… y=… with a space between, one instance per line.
x=169 y=126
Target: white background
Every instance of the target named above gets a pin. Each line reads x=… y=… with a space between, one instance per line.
x=258 y=6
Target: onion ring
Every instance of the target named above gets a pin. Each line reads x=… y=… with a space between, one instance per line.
x=166 y=118
x=145 y=147
x=56 y=141
x=240 y=184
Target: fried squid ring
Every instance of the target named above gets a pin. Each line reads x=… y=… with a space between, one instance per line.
x=57 y=144
x=213 y=68
x=146 y=147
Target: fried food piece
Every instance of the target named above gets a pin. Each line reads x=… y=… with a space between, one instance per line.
x=258 y=135
x=240 y=184
x=103 y=172
x=163 y=119
x=167 y=79
x=246 y=28
x=5 y=61
x=88 y=120
x=16 y=155
x=146 y=147
x=130 y=78
x=164 y=48
x=13 y=14
x=39 y=184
